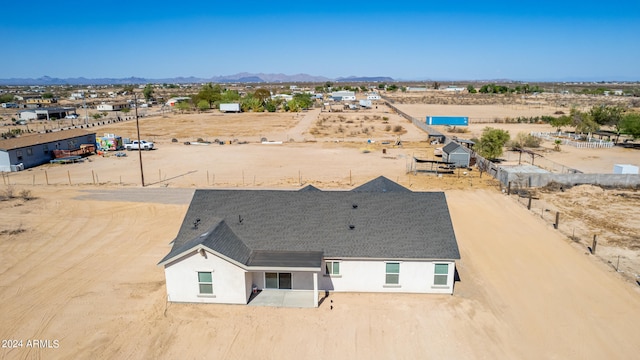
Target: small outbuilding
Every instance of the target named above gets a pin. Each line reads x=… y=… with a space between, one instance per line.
x=456 y=154
x=46 y=113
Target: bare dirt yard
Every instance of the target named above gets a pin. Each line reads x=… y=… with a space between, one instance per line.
x=80 y=243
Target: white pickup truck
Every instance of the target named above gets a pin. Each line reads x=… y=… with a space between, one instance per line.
x=134 y=145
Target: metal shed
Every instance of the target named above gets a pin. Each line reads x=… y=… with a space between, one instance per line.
x=455 y=153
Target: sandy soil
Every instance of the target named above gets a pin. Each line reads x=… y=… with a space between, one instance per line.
x=78 y=262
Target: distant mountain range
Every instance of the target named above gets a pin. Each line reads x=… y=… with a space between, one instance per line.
x=237 y=78
x=249 y=78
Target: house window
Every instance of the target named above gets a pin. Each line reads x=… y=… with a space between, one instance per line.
x=332 y=268
x=392 y=273
x=205 y=282
x=277 y=280
x=441 y=274
x=29 y=152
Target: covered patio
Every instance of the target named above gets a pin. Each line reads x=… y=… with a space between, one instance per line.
x=284 y=298
x=284 y=278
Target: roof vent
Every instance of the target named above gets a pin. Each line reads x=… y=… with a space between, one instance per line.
x=352 y=227
x=196 y=223
x=355 y=206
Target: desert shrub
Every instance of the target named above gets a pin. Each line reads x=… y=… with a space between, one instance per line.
x=398 y=128
x=523 y=140
x=8 y=193
x=26 y=194
x=349 y=121
x=385 y=118
x=387 y=128
x=200 y=140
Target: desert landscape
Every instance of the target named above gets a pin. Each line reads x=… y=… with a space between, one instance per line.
x=80 y=243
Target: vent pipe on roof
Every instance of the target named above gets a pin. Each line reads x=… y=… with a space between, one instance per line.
x=351 y=227
x=355 y=206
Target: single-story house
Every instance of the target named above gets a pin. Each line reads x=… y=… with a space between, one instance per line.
x=373 y=96
x=455 y=153
x=343 y=95
x=46 y=113
x=113 y=107
x=378 y=237
x=32 y=150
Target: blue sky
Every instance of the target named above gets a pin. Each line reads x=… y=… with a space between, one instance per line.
x=445 y=40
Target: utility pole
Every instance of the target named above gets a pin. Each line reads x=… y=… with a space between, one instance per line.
x=135 y=103
x=84 y=103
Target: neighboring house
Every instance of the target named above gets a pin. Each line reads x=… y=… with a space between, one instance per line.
x=46 y=113
x=175 y=100
x=455 y=153
x=416 y=89
x=32 y=150
x=379 y=237
x=40 y=101
x=373 y=96
x=113 y=107
x=343 y=96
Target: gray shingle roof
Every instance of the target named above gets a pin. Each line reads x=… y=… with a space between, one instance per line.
x=380 y=184
x=340 y=224
x=450 y=147
x=309 y=188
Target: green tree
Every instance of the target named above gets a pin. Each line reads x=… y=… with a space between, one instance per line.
x=471 y=89
x=47 y=95
x=560 y=122
x=250 y=103
x=148 y=92
x=230 y=96
x=183 y=106
x=382 y=86
x=630 y=125
x=127 y=88
x=436 y=85
x=203 y=105
x=392 y=87
x=262 y=95
x=6 y=98
x=606 y=115
x=582 y=122
x=320 y=89
x=328 y=84
x=304 y=100
x=209 y=93
x=491 y=142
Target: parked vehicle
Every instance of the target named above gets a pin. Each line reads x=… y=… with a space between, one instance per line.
x=143 y=145
x=71 y=116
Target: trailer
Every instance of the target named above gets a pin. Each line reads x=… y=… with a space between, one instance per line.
x=230 y=107
x=448 y=120
x=365 y=103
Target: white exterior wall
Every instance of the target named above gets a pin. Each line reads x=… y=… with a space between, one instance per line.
x=369 y=276
x=28 y=115
x=5 y=161
x=105 y=107
x=229 y=281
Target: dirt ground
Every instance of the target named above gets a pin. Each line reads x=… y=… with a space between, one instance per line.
x=80 y=243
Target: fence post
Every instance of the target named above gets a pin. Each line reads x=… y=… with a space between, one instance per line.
x=557 y=223
x=594 y=244
x=529 y=204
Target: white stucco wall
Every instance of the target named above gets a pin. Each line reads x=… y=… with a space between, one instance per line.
x=369 y=276
x=229 y=281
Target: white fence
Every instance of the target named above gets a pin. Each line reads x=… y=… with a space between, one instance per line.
x=574 y=140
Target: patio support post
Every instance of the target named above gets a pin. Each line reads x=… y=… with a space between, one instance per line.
x=315 y=289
